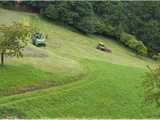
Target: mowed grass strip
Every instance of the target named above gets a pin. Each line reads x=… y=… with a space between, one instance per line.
x=108 y=91
x=15 y=79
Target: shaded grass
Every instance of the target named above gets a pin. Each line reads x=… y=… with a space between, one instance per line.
x=22 y=78
x=10 y=113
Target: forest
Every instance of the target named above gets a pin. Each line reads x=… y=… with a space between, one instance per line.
x=134 y=24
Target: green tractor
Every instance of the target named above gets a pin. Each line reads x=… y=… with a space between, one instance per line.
x=38 y=39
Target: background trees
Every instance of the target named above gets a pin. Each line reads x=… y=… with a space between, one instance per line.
x=142 y=19
x=108 y=18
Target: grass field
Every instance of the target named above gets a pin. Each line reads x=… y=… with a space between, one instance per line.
x=70 y=78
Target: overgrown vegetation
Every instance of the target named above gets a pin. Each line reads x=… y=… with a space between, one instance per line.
x=152 y=85
x=131 y=42
x=8 y=4
x=156 y=57
x=139 y=18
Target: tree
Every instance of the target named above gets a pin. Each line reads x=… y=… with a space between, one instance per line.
x=8 y=4
x=86 y=25
x=13 y=39
x=36 y=6
x=152 y=85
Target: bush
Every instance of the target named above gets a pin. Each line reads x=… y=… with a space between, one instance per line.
x=156 y=57
x=141 y=48
x=8 y=4
x=131 y=42
x=51 y=12
x=36 y=6
x=109 y=31
x=99 y=25
x=152 y=85
x=86 y=25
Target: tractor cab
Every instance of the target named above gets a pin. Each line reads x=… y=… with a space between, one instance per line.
x=38 y=39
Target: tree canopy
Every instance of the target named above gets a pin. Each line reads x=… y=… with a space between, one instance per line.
x=14 y=38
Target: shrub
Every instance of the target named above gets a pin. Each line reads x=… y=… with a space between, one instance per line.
x=141 y=48
x=152 y=85
x=86 y=25
x=99 y=25
x=156 y=57
x=131 y=42
x=109 y=31
x=7 y=4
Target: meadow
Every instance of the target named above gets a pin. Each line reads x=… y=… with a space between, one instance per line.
x=70 y=78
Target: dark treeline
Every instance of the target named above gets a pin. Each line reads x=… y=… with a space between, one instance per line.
x=135 y=24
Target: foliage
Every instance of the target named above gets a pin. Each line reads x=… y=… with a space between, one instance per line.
x=14 y=38
x=109 y=11
x=131 y=42
x=86 y=25
x=142 y=20
x=77 y=14
x=10 y=113
x=7 y=4
x=152 y=85
x=139 y=18
x=156 y=57
x=36 y=6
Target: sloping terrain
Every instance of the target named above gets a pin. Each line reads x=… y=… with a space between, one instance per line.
x=71 y=78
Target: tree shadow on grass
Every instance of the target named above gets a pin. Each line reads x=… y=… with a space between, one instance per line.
x=18 y=79
x=10 y=113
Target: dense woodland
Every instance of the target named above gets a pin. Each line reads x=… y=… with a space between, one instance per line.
x=134 y=24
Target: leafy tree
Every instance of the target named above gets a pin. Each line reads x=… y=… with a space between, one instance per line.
x=142 y=20
x=109 y=11
x=13 y=39
x=36 y=6
x=78 y=14
x=86 y=25
x=152 y=85
x=8 y=4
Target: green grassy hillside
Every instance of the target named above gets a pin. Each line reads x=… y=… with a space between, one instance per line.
x=71 y=78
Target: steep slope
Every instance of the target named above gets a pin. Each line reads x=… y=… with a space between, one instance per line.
x=71 y=78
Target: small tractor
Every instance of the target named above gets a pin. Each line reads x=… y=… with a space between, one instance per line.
x=101 y=47
x=38 y=39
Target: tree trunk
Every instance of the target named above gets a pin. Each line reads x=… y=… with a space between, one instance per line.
x=2 y=58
